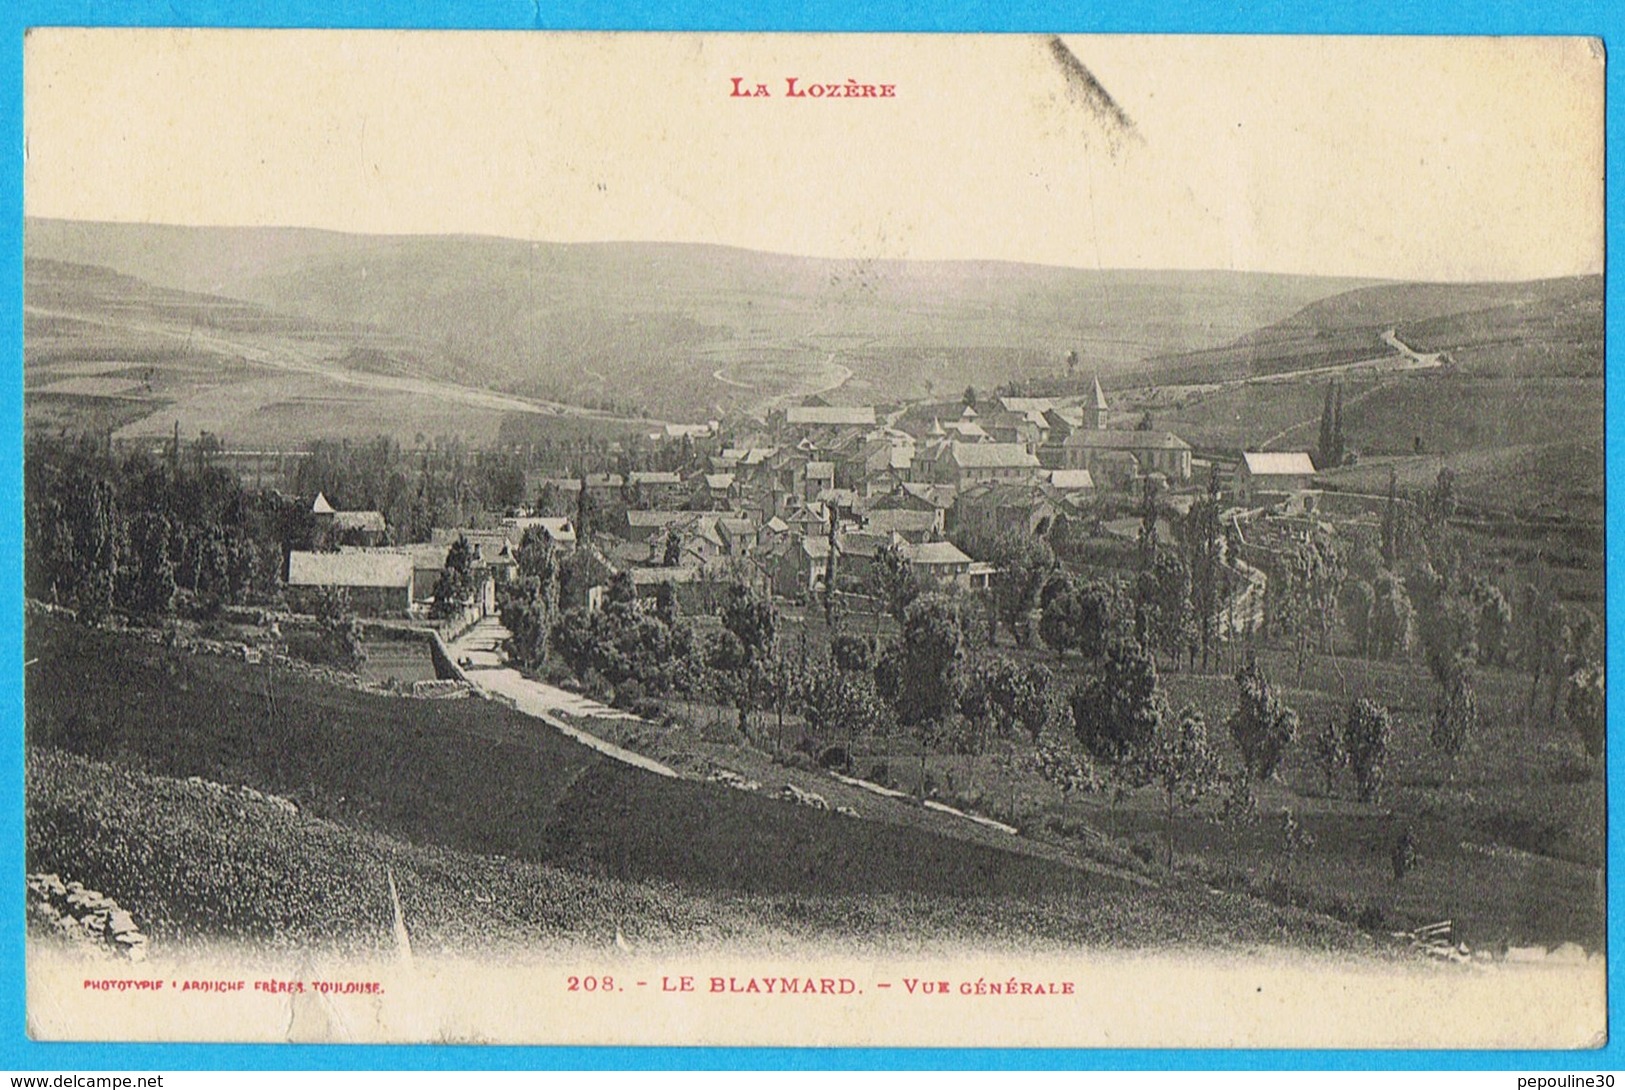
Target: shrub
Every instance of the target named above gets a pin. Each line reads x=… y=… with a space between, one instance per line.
x=650 y=709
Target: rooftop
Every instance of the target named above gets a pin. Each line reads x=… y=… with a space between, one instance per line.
x=993 y=456
x=359 y=520
x=935 y=553
x=1120 y=439
x=831 y=415
x=349 y=569
x=1071 y=480
x=1278 y=464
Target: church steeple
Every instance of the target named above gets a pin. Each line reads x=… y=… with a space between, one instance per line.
x=1094 y=409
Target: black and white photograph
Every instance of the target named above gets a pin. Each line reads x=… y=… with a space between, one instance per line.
x=869 y=539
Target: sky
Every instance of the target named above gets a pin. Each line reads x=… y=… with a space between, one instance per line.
x=1402 y=158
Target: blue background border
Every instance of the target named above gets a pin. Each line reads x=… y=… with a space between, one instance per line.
x=17 y=1053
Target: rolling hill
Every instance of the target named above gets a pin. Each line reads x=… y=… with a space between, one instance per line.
x=682 y=331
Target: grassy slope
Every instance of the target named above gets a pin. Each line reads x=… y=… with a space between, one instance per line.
x=472 y=777
x=198 y=862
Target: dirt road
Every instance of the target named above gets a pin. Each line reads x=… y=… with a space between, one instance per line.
x=479 y=651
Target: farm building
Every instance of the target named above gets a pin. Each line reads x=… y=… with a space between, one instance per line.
x=944 y=562
x=560 y=531
x=347 y=527
x=604 y=487
x=376 y=583
x=1274 y=473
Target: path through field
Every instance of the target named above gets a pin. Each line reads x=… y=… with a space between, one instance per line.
x=313 y=360
x=1409 y=360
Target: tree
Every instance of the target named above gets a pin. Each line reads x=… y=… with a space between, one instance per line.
x=673 y=552
x=852 y=652
x=622 y=591
x=621 y=644
x=586 y=510
x=1204 y=539
x=1494 y=622
x=1163 y=599
x=1393 y=619
x=1116 y=714
x=1002 y=698
x=1302 y=596
x=455 y=587
x=537 y=557
x=970 y=397
x=894 y=581
x=529 y=616
x=1150 y=511
x=1354 y=603
x=1398 y=525
x=932 y=647
x=843 y=701
x=1327 y=749
x=1587 y=708
x=1439 y=504
x=152 y=586
x=1325 y=446
x=1025 y=564
x=1183 y=767
x=340 y=632
x=1455 y=713
x=667 y=606
x=751 y=621
x=1339 y=448
x=1366 y=734
x=1058 y=624
x=1447 y=624
x=1539 y=633
x=832 y=555
x=1262 y=724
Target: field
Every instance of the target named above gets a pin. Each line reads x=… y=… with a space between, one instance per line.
x=467 y=795
x=1510 y=836
x=106 y=352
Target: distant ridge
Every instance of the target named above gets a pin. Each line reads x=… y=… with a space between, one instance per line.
x=683 y=330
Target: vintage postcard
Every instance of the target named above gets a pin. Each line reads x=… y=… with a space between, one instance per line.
x=586 y=538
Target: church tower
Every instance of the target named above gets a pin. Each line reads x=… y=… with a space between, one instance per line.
x=1094 y=409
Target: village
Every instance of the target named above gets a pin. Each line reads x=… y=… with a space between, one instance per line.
x=800 y=506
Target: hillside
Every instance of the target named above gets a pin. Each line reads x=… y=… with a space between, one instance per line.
x=448 y=785
x=1555 y=324
x=1503 y=384
x=105 y=351
x=683 y=331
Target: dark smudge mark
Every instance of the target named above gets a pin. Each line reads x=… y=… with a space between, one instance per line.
x=1082 y=83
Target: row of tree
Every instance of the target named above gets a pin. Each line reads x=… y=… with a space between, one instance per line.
x=133 y=535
